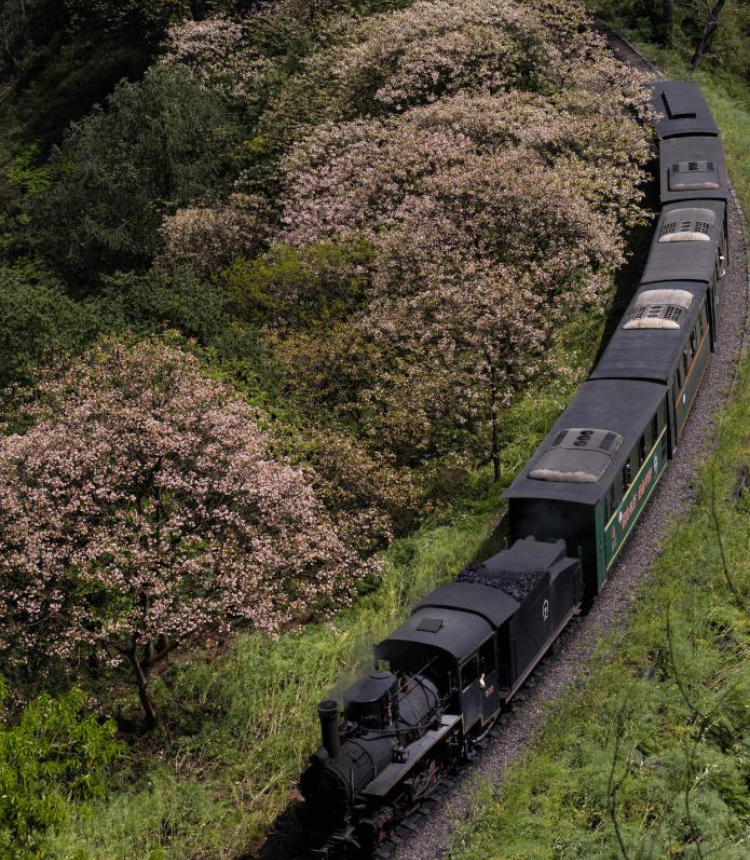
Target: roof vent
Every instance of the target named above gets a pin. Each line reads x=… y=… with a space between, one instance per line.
x=693 y=176
x=430 y=625
x=687 y=225
x=679 y=103
x=661 y=309
x=577 y=456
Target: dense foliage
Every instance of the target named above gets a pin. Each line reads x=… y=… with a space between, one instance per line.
x=53 y=756
x=119 y=171
x=40 y=323
x=715 y=34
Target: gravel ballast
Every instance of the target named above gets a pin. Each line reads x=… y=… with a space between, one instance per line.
x=674 y=495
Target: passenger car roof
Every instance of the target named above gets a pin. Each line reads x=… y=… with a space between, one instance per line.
x=677 y=150
x=685 y=261
x=649 y=354
x=683 y=110
x=624 y=406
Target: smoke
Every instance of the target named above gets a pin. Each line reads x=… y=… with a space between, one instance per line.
x=362 y=661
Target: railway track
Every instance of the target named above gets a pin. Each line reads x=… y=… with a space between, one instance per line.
x=426 y=833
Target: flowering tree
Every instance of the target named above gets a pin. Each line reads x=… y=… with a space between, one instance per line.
x=141 y=513
x=220 y=55
x=495 y=217
x=207 y=239
x=436 y=48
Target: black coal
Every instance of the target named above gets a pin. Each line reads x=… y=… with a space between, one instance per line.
x=517 y=584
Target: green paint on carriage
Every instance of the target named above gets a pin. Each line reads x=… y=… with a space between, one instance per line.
x=618 y=528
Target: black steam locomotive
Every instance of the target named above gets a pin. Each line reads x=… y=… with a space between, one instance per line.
x=445 y=675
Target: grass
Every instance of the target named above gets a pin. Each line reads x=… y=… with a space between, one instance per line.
x=650 y=756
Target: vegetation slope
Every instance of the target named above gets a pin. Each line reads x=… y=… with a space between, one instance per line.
x=383 y=235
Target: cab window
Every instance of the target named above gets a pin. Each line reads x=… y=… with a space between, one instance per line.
x=487 y=658
x=469 y=672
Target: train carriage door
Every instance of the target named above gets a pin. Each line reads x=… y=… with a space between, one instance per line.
x=470 y=701
x=489 y=688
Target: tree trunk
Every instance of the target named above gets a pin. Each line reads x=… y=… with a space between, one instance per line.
x=708 y=31
x=141 y=677
x=495 y=456
x=667 y=21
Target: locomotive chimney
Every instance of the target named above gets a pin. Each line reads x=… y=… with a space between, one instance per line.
x=328 y=711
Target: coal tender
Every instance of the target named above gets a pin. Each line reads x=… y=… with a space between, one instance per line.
x=439 y=683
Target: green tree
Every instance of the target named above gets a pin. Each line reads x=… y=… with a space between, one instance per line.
x=52 y=757
x=40 y=321
x=157 y=146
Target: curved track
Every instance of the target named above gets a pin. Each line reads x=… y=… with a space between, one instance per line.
x=567 y=661
x=427 y=835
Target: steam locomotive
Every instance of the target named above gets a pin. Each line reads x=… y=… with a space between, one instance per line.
x=443 y=677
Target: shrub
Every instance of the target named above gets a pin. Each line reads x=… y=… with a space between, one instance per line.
x=296 y=287
x=41 y=323
x=208 y=239
x=52 y=757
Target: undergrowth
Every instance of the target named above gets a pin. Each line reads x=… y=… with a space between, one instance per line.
x=649 y=755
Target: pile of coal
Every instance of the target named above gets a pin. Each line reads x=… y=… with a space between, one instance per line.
x=517 y=584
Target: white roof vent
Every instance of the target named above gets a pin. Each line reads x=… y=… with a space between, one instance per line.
x=662 y=309
x=687 y=225
x=577 y=456
x=693 y=176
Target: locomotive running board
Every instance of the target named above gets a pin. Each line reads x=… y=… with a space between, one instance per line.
x=394 y=772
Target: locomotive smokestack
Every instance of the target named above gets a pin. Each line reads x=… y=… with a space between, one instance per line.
x=328 y=712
